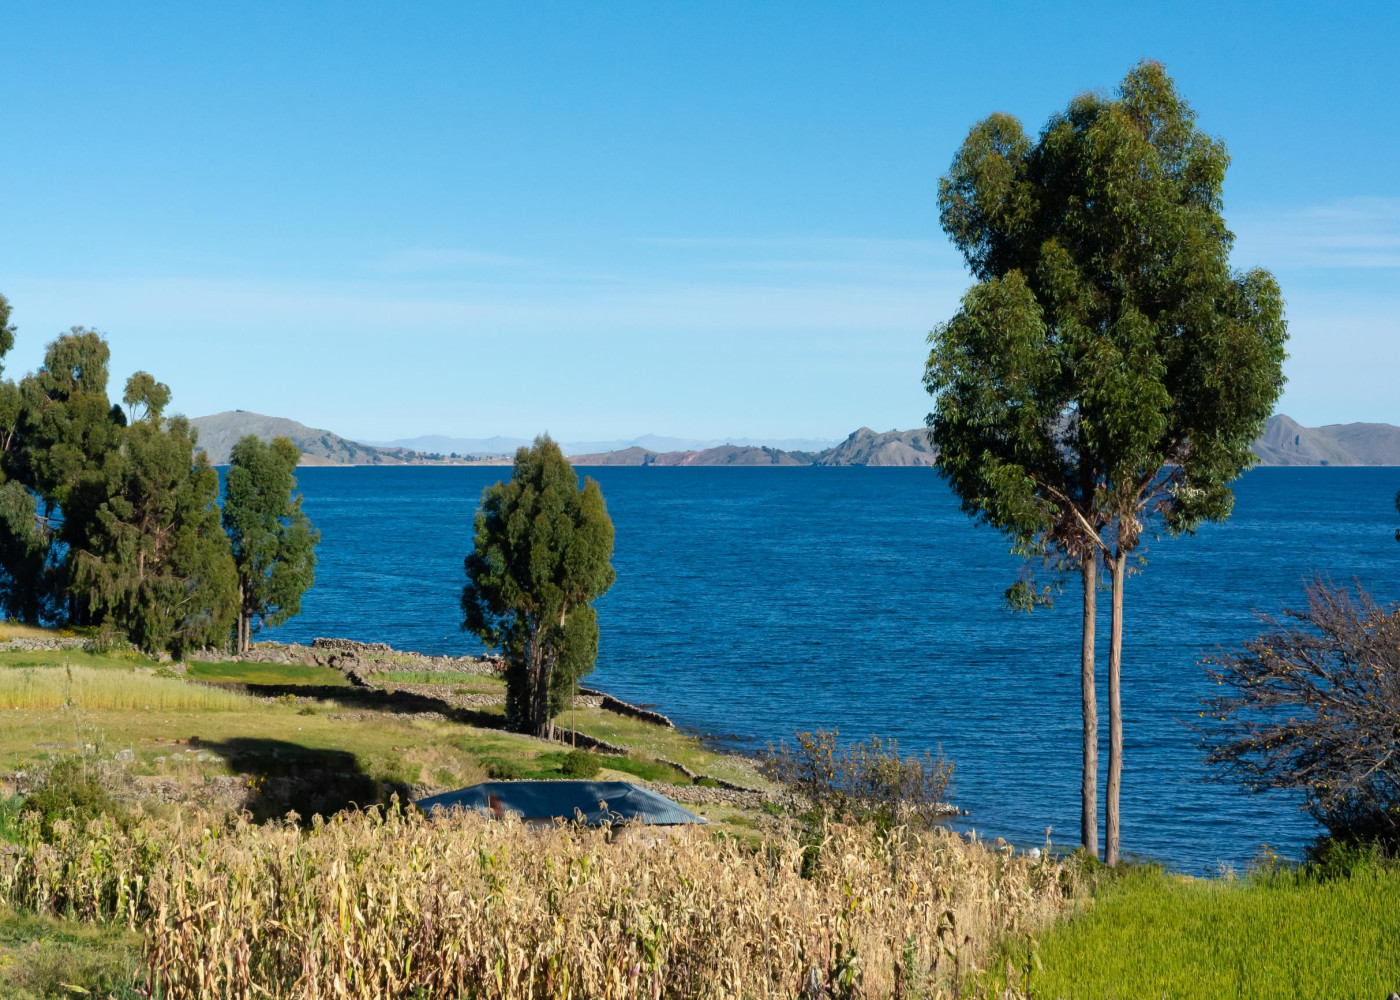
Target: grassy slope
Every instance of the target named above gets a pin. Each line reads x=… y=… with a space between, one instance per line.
x=1283 y=936
x=233 y=733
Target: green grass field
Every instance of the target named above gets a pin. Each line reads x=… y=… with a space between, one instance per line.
x=457 y=681
x=267 y=673
x=1282 y=935
x=41 y=957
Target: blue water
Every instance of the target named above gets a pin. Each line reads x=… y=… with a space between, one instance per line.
x=752 y=602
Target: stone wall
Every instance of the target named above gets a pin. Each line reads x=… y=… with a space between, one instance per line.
x=623 y=708
x=352 y=647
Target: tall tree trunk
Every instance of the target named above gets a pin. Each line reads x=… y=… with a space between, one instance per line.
x=539 y=691
x=242 y=641
x=1115 y=713
x=1089 y=788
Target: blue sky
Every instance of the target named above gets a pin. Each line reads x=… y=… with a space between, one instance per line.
x=699 y=219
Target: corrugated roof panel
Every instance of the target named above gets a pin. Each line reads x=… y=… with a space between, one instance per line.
x=597 y=802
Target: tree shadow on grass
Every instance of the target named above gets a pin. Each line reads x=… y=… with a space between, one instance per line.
x=287 y=777
x=372 y=699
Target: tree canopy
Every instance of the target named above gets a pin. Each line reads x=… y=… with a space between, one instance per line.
x=274 y=542
x=108 y=516
x=1110 y=369
x=542 y=555
x=157 y=561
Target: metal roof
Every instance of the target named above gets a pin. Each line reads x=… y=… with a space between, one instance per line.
x=598 y=802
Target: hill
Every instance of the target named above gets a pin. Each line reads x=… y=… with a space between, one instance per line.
x=220 y=431
x=867 y=447
x=1286 y=442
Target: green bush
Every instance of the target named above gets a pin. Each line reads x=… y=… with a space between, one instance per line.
x=502 y=770
x=580 y=764
x=1333 y=859
x=10 y=807
x=71 y=791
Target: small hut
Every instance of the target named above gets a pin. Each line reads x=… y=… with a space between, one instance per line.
x=592 y=803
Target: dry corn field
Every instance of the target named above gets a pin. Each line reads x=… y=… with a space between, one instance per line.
x=372 y=905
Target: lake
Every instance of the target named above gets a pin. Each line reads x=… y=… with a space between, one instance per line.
x=750 y=603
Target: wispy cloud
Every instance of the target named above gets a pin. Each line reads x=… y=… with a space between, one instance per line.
x=1353 y=233
x=441 y=260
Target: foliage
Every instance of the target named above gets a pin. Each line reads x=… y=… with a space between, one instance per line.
x=542 y=555
x=1109 y=369
x=156 y=560
x=63 y=434
x=545 y=912
x=580 y=764
x=73 y=791
x=1282 y=934
x=862 y=780
x=10 y=806
x=503 y=769
x=145 y=398
x=274 y=542
x=1312 y=707
x=101 y=522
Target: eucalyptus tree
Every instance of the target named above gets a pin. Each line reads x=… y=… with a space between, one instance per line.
x=1107 y=374
x=22 y=549
x=66 y=434
x=157 y=562
x=145 y=398
x=542 y=555
x=274 y=542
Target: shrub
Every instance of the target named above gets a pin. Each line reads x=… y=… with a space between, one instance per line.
x=11 y=807
x=867 y=780
x=72 y=791
x=1312 y=707
x=1332 y=859
x=106 y=639
x=503 y=770
x=580 y=764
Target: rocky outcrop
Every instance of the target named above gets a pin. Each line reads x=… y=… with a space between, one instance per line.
x=892 y=448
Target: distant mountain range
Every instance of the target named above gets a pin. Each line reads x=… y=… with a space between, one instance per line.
x=220 y=431
x=1284 y=442
x=650 y=442
x=863 y=447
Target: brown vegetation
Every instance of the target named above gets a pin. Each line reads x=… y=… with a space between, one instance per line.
x=397 y=905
